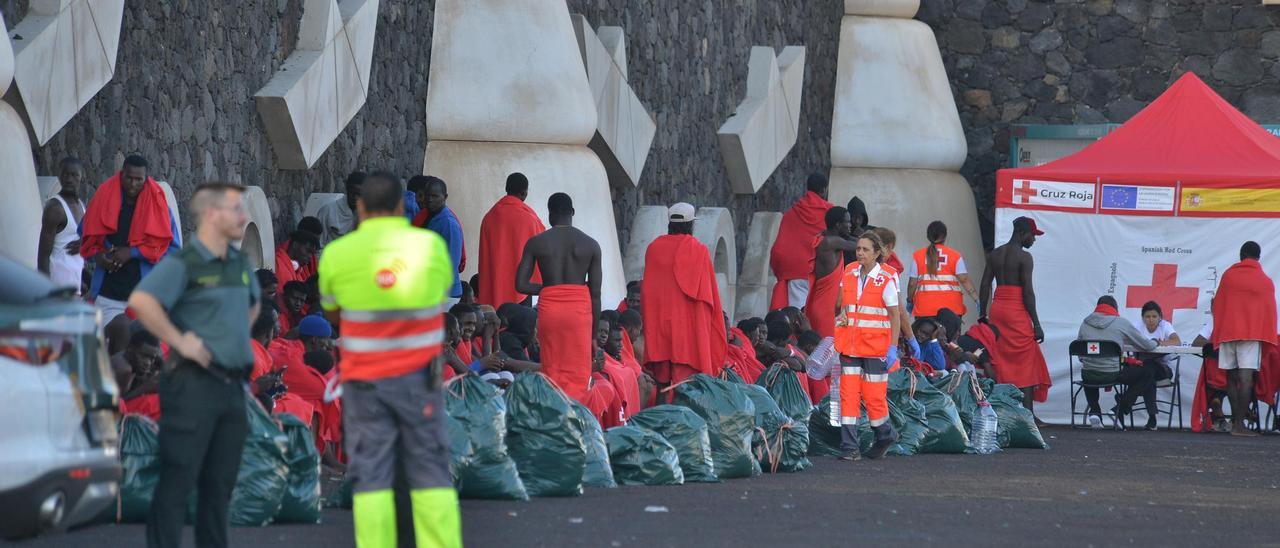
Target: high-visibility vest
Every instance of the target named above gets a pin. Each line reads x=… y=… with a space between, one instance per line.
x=389 y=281
x=937 y=291
x=868 y=332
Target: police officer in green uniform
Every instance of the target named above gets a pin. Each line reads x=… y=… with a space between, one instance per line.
x=201 y=301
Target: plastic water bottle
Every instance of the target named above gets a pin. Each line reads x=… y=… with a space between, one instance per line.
x=984 y=429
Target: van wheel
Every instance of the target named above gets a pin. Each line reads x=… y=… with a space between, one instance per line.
x=52 y=510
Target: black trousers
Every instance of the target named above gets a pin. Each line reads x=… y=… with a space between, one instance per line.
x=1138 y=381
x=202 y=430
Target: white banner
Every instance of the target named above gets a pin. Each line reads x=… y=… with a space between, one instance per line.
x=1175 y=261
x=1053 y=193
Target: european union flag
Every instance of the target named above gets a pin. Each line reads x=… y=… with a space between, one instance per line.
x=1119 y=197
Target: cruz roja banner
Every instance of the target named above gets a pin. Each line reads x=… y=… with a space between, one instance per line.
x=1166 y=244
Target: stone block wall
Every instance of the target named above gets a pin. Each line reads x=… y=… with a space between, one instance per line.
x=188 y=69
x=1093 y=61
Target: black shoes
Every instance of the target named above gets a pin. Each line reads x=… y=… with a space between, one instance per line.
x=850 y=456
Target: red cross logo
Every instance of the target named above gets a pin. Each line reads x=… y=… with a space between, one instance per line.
x=1023 y=193
x=1094 y=348
x=1163 y=290
x=942 y=258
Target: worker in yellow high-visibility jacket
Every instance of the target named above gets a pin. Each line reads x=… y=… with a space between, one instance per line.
x=384 y=285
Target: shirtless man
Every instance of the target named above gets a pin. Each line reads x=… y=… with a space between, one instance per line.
x=569 y=261
x=1016 y=356
x=59 y=247
x=828 y=267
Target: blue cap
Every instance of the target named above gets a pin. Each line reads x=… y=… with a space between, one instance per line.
x=315 y=326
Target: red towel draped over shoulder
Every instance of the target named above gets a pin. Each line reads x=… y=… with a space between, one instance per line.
x=149 y=232
x=742 y=359
x=683 y=322
x=625 y=382
x=1244 y=307
x=503 y=233
x=1016 y=355
x=792 y=255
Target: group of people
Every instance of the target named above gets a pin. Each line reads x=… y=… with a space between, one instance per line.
x=366 y=298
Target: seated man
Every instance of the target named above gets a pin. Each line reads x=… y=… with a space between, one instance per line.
x=928 y=333
x=137 y=372
x=1105 y=324
x=269 y=283
x=296 y=256
x=602 y=396
x=779 y=350
x=293 y=306
x=624 y=379
x=741 y=353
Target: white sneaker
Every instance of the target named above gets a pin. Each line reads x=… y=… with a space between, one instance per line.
x=1095 y=422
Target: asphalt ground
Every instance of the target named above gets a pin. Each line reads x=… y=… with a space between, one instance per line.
x=1098 y=488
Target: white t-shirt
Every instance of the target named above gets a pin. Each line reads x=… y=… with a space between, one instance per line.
x=1207 y=330
x=911 y=268
x=1163 y=331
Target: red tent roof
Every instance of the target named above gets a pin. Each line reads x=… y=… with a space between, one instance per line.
x=1188 y=134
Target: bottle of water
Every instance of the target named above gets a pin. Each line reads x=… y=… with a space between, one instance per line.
x=984 y=429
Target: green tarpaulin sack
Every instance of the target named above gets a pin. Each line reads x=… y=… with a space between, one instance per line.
x=340 y=497
x=264 y=470
x=140 y=464
x=824 y=439
x=784 y=386
x=730 y=420
x=959 y=386
x=642 y=457
x=598 y=472
x=301 y=502
x=685 y=431
x=907 y=415
x=779 y=443
x=1016 y=425
x=477 y=423
x=946 y=431
x=544 y=437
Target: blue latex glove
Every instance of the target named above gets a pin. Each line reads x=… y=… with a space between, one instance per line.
x=915 y=346
x=893 y=356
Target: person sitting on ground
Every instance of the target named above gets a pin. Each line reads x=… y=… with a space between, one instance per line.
x=633 y=332
x=602 y=397
x=293 y=307
x=296 y=257
x=270 y=285
x=971 y=352
x=137 y=371
x=928 y=333
x=338 y=217
x=467 y=322
x=486 y=340
x=1154 y=326
x=313 y=225
x=267 y=380
x=798 y=321
x=951 y=324
x=468 y=296
x=632 y=300
x=1105 y=324
x=741 y=355
x=625 y=380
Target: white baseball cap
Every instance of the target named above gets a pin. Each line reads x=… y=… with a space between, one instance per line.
x=681 y=213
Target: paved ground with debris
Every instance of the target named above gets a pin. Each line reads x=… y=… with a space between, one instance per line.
x=1090 y=487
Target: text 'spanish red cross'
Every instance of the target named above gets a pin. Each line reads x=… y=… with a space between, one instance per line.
x=1163 y=290
x=1023 y=194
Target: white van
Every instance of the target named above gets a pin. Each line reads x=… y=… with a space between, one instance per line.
x=58 y=441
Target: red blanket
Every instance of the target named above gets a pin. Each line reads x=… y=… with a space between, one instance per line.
x=683 y=323
x=625 y=383
x=742 y=359
x=284 y=267
x=629 y=356
x=149 y=232
x=1016 y=356
x=1265 y=385
x=565 y=335
x=821 y=305
x=262 y=362
x=603 y=401
x=296 y=406
x=146 y=404
x=503 y=232
x=792 y=255
x=1244 y=307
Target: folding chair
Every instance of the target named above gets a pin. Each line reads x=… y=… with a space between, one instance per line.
x=1093 y=349
x=1173 y=405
